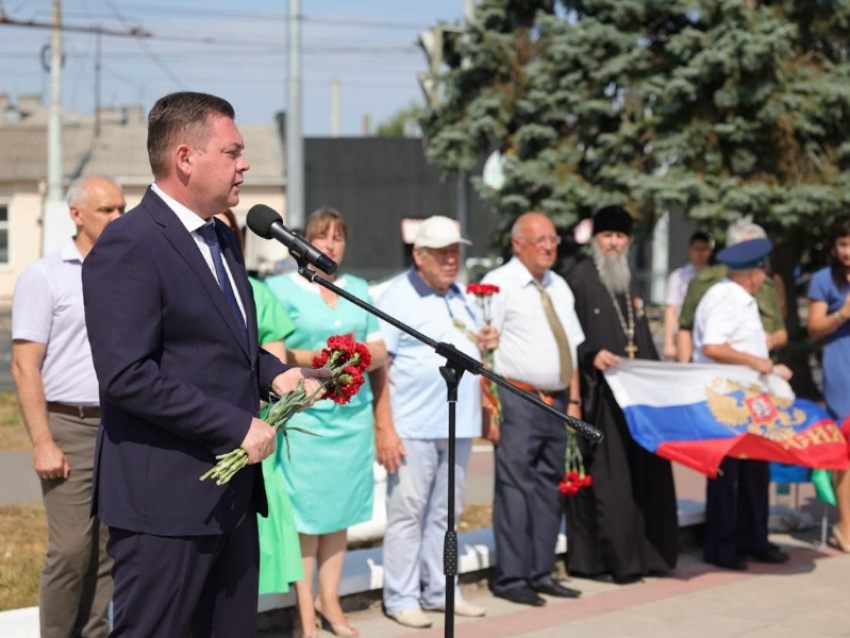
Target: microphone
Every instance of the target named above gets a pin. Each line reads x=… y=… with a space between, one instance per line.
x=266 y=223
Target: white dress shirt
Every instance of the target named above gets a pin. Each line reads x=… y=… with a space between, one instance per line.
x=677 y=284
x=728 y=314
x=193 y=222
x=527 y=349
x=48 y=309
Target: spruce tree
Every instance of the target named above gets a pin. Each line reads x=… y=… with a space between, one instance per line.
x=723 y=108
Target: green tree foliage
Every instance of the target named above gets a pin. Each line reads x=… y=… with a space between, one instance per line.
x=394 y=126
x=721 y=107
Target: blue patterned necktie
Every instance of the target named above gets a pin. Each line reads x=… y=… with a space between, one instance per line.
x=210 y=237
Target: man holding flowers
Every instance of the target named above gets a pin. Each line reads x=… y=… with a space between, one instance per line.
x=173 y=331
x=535 y=315
x=413 y=444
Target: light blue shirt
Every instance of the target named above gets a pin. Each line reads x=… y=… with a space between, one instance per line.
x=417 y=391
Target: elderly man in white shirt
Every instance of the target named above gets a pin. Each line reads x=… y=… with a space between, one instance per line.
x=540 y=332
x=728 y=329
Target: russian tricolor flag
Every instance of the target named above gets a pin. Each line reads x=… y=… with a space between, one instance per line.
x=696 y=414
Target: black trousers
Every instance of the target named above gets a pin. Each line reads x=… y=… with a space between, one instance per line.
x=527 y=505
x=167 y=587
x=736 y=509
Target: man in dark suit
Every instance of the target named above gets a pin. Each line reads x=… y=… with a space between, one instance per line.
x=173 y=331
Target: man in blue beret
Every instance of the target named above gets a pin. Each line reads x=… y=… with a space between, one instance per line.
x=728 y=329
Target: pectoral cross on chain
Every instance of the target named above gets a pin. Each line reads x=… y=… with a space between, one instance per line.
x=631 y=350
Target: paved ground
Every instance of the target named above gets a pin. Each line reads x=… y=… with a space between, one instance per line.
x=805 y=598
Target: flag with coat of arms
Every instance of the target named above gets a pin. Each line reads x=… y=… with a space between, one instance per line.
x=697 y=414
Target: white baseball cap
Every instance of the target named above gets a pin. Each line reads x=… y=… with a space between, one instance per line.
x=439 y=232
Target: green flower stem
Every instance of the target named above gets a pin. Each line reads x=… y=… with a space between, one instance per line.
x=229 y=464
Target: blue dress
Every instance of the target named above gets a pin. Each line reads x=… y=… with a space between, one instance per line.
x=329 y=479
x=836 y=352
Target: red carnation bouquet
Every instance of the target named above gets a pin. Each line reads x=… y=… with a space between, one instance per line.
x=346 y=359
x=576 y=478
x=483 y=293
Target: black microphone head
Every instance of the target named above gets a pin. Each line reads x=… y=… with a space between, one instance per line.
x=260 y=220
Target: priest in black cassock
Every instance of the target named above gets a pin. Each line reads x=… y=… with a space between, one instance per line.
x=625 y=526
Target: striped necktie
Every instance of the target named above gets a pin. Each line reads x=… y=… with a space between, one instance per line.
x=210 y=237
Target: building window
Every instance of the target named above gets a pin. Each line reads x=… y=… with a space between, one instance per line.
x=4 y=234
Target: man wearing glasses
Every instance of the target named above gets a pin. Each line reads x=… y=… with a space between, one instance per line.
x=540 y=332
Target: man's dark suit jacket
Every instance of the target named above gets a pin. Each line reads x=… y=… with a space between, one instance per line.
x=178 y=383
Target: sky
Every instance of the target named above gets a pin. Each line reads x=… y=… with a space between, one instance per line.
x=234 y=50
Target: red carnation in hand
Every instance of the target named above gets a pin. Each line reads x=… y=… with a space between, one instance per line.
x=489 y=289
x=343 y=343
x=365 y=359
x=322 y=360
x=473 y=289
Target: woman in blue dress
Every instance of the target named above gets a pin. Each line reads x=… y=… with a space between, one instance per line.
x=330 y=477
x=829 y=317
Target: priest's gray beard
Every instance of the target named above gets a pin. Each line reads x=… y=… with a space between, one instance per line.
x=613 y=270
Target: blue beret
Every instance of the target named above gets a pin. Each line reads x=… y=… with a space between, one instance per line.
x=748 y=254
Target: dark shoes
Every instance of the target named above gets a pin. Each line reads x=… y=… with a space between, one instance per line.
x=606 y=577
x=557 y=589
x=521 y=596
x=772 y=555
x=737 y=563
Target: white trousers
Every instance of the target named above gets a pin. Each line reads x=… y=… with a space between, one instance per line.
x=417 y=518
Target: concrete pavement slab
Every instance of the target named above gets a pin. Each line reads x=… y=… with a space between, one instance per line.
x=19 y=484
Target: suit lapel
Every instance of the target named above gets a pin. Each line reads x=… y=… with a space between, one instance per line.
x=185 y=245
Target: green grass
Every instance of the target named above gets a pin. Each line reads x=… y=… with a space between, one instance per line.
x=13 y=433
x=23 y=544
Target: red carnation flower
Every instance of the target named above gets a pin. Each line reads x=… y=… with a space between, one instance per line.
x=473 y=289
x=343 y=343
x=365 y=359
x=322 y=360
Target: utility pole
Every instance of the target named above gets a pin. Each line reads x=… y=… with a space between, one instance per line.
x=335 y=107
x=462 y=177
x=97 y=85
x=294 y=138
x=56 y=224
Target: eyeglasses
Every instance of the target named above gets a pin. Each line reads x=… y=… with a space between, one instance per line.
x=538 y=242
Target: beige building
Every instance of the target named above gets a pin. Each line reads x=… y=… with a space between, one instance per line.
x=120 y=151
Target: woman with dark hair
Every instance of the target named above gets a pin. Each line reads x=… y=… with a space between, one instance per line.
x=330 y=478
x=829 y=317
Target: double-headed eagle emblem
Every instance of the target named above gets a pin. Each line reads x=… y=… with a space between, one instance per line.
x=752 y=410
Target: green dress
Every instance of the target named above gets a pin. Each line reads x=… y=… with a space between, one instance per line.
x=329 y=477
x=280 y=550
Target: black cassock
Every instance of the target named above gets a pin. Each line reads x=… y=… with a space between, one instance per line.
x=624 y=525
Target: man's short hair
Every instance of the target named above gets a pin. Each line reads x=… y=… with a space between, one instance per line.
x=701 y=236
x=179 y=117
x=77 y=192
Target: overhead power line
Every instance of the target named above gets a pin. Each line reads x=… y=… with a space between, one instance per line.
x=161 y=9
x=151 y=54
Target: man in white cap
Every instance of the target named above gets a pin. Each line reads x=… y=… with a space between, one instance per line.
x=413 y=445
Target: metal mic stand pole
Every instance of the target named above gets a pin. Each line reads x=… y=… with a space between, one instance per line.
x=456 y=364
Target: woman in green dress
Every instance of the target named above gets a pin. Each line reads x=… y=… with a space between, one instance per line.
x=330 y=477
x=280 y=550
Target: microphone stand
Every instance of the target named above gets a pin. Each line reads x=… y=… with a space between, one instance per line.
x=456 y=364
